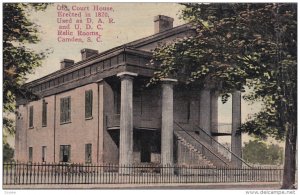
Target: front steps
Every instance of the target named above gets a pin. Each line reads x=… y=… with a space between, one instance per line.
x=209 y=156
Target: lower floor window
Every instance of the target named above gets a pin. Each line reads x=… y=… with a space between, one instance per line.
x=88 y=153
x=65 y=153
x=30 y=154
x=44 y=150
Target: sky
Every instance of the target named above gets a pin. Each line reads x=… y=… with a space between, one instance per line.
x=131 y=21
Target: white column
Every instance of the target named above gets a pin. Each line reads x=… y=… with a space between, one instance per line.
x=205 y=109
x=126 y=118
x=167 y=122
x=236 y=138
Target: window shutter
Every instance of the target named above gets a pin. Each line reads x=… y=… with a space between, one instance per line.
x=30 y=154
x=86 y=153
x=61 y=110
x=69 y=109
x=69 y=153
x=91 y=103
x=31 y=116
x=61 y=153
x=44 y=113
x=88 y=103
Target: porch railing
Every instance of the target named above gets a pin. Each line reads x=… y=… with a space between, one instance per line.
x=50 y=173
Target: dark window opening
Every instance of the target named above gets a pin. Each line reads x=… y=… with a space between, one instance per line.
x=145 y=152
x=65 y=153
x=88 y=153
x=88 y=104
x=44 y=113
x=65 y=110
x=44 y=150
x=31 y=117
x=30 y=154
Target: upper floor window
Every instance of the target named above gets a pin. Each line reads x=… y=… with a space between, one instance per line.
x=31 y=117
x=65 y=110
x=44 y=113
x=88 y=104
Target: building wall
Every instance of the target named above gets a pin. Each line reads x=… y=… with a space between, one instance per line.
x=38 y=136
x=79 y=131
x=21 y=131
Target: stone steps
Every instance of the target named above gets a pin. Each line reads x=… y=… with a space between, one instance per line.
x=204 y=150
x=195 y=156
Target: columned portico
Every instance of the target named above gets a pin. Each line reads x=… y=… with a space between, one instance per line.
x=236 y=139
x=167 y=122
x=126 y=118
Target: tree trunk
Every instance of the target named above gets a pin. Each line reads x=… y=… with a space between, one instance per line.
x=290 y=159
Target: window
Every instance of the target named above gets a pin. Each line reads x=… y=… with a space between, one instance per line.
x=88 y=104
x=65 y=110
x=88 y=153
x=65 y=153
x=31 y=117
x=30 y=154
x=44 y=113
x=44 y=150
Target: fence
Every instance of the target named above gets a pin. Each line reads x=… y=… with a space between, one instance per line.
x=36 y=173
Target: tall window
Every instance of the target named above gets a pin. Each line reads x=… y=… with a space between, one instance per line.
x=30 y=152
x=88 y=104
x=44 y=150
x=44 y=114
x=65 y=153
x=65 y=110
x=31 y=117
x=88 y=153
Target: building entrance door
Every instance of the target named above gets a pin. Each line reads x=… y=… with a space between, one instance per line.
x=145 y=151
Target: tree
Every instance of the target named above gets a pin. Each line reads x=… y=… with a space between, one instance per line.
x=258 y=152
x=238 y=45
x=8 y=153
x=18 y=60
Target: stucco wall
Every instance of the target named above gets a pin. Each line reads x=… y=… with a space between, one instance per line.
x=79 y=131
x=38 y=136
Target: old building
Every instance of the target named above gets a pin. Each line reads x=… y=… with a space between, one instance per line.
x=98 y=110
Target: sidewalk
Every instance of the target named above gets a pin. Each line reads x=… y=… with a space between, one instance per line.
x=228 y=186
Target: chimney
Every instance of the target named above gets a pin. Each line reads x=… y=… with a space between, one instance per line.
x=86 y=53
x=65 y=63
x=162 y=23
